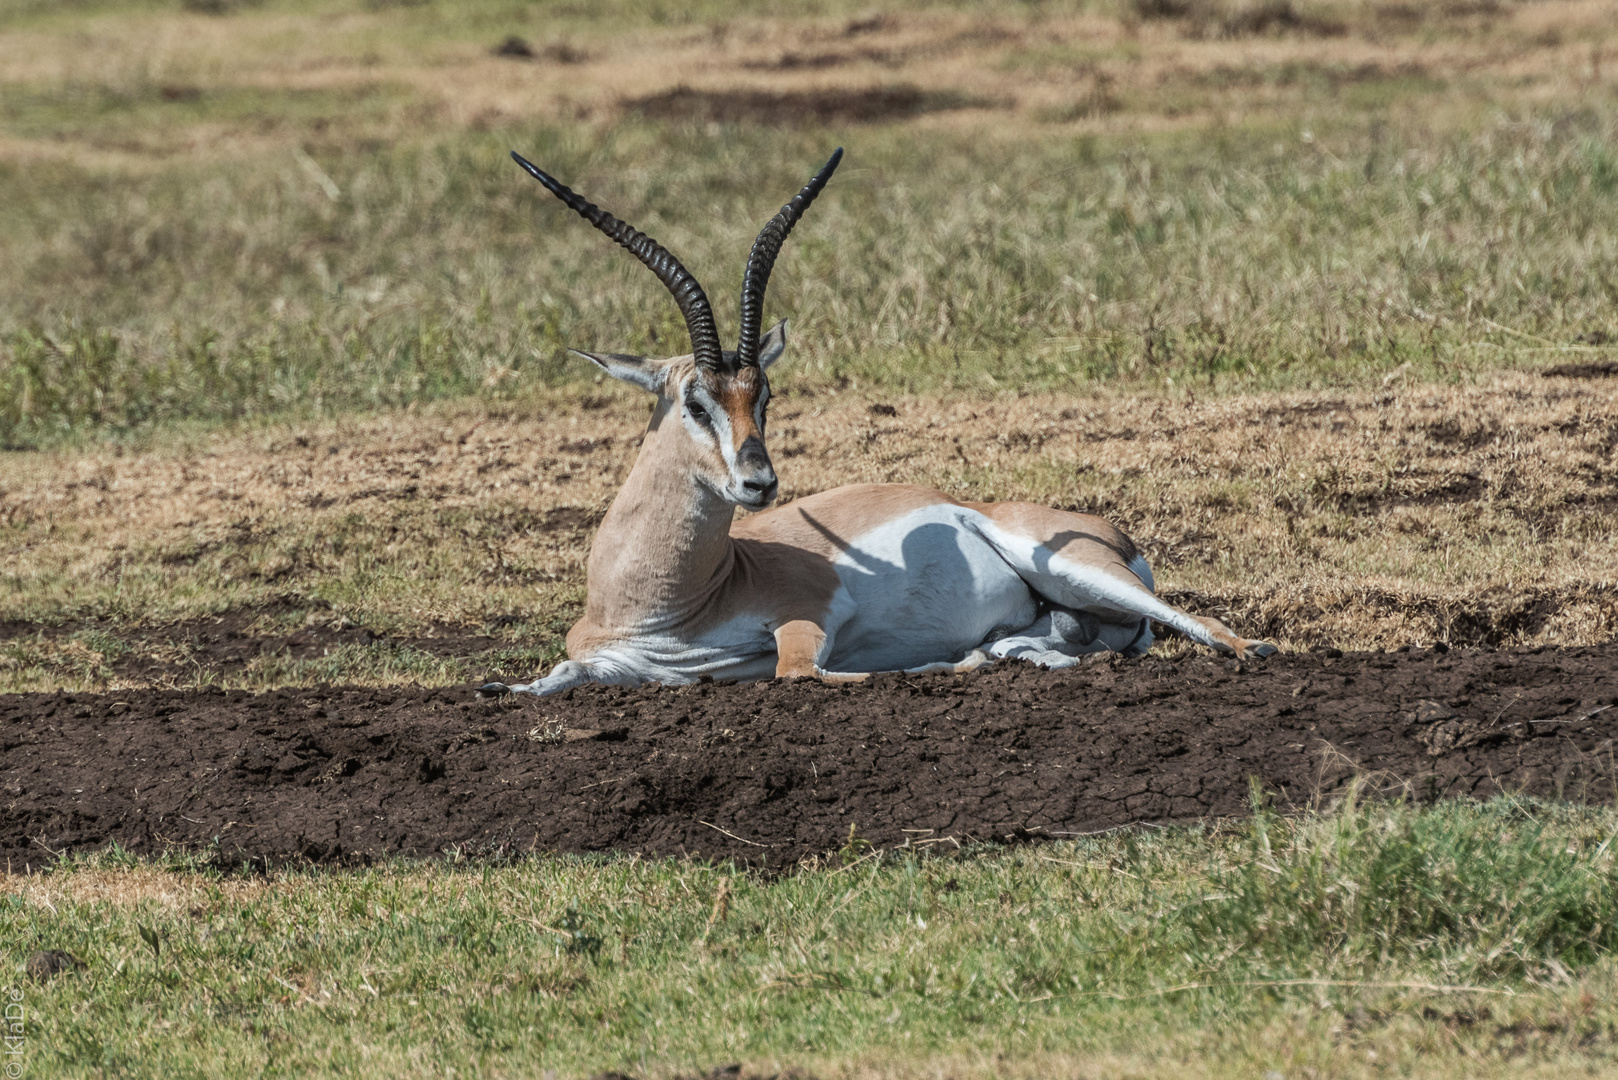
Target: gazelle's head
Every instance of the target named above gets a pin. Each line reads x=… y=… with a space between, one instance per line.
x=717 y=396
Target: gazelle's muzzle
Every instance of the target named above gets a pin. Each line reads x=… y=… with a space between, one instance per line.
x=754 y=477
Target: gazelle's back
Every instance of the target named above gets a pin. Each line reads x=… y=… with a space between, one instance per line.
x=831 y=523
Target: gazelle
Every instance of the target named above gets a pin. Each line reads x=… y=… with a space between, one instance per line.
x=834 y=586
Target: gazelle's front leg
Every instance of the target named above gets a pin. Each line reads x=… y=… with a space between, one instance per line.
x=564 y=676
x=798 y=646
x=801 y=645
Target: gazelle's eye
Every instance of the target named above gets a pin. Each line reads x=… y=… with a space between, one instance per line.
x=698 y=413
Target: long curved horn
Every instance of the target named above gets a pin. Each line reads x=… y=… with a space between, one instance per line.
x=762 y=260
x=699 y=322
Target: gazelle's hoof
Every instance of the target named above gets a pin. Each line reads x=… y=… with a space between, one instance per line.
x=493 y=690
x=1258 y=650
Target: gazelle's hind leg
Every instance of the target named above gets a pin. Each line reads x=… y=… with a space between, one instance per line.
x=1083 y=563
x=1061 y=638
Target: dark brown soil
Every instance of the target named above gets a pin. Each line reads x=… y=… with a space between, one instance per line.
x=797 y=61
x=772 y=772
x=838 y=106
x=514 y=48
x=1592 y=369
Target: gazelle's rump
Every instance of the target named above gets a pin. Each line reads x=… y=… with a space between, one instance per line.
x=859 y=579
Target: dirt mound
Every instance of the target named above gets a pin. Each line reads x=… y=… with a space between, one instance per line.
x=772 y=772
x=838 y=106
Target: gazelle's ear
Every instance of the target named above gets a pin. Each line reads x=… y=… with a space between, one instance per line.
x=642 y=371
x=772 y=345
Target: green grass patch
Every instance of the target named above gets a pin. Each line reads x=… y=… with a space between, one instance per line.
x=79 y=660
x=1303 y=250
x=128 y=113
x=1462 y=939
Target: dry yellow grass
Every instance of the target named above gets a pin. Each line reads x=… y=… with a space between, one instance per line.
x=145 y=885
x=1470 y=513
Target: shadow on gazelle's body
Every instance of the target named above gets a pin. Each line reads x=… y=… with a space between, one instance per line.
x=834 y=586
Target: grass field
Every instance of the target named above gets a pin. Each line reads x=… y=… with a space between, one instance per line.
x=1271 y=284
x=1464 y=941
x=301 y=209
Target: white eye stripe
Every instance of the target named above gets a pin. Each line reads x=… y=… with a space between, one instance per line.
x=710 y=423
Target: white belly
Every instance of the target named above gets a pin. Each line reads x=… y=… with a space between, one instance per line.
x=922 y=589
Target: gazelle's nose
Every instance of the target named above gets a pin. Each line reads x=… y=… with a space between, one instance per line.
x=754 y=469
x=762 y=487
x=752 y=455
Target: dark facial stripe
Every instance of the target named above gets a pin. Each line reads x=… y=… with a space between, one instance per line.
x=699 y=413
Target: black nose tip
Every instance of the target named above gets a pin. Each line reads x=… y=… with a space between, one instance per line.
x=764 y=489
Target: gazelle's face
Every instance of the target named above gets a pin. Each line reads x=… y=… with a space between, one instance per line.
x=719 y=396
x=723 y=416
x=712 y=421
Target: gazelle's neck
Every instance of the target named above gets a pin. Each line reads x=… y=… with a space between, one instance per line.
x=664 y=547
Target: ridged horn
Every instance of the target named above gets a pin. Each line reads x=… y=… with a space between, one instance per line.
x=762 y=260
x=699 y=321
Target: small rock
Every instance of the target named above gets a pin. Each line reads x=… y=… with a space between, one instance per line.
x=1432 y=712
x=49 y=963
x=595 y=735
x=1442 y=738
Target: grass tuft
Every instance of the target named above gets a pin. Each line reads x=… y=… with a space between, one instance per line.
x=1471 y=894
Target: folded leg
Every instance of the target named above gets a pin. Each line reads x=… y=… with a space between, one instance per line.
x=1082 y=563
x=801 y=645
x=564 y=676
